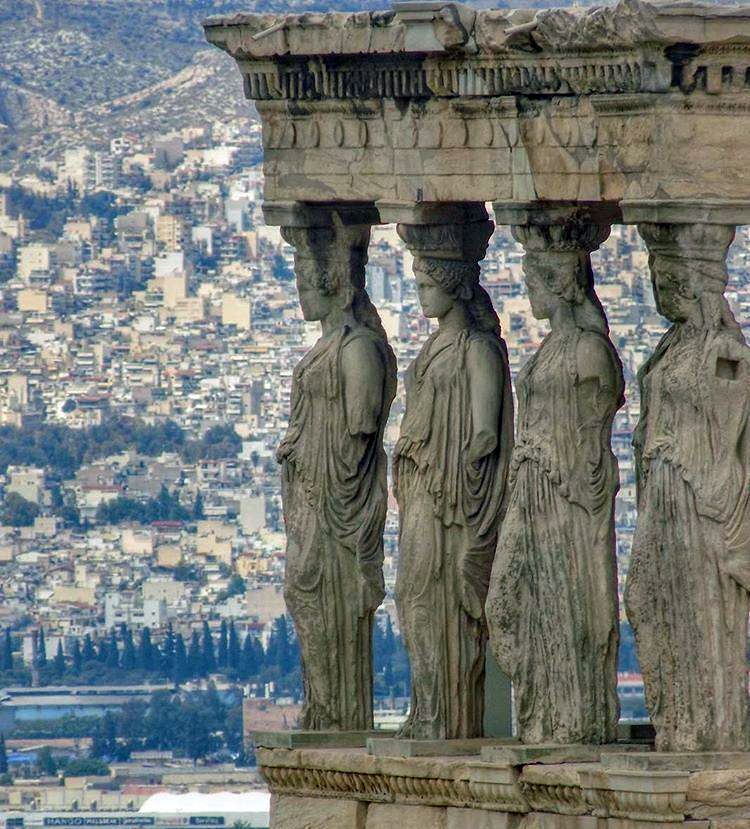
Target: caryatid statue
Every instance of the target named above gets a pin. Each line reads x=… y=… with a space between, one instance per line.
x=689 y=577
x=334 y=486
x=552 y=606
x=450 y=469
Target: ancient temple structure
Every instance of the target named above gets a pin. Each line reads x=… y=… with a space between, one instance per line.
x=566 y=121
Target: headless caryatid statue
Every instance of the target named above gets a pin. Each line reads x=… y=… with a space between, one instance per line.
x=552 y=606
x=450 y=469
x=334 y=485
x=689 y=578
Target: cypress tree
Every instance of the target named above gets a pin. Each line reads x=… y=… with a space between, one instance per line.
x=207 y=654
x=195 y=659
x=223 y=655
x=250 y=664
x=102 y=651
x=234 y=655
x=129 y=659
x=168 y=652
x=7 y=652
x=89 y=654
x=180 y=668
x=41 y=649
x=113 y=653
x=146 y=650
x=59 y=662
x=3 y=756
x=76 y=657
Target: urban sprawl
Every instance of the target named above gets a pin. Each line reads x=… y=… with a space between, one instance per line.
x=149 y=327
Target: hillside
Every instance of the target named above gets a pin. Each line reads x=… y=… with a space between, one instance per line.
x=90 y=69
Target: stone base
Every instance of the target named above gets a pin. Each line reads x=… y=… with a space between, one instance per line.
x=313 y=739
x=341 y=788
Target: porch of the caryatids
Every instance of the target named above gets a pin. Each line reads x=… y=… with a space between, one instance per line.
x=450 y=468
x=553 y=606
x=334 y=486
x=689 y=578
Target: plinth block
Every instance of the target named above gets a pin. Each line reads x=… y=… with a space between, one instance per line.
x=316 y=739
x=521 y=755
x=677 y=761
x=396 y=747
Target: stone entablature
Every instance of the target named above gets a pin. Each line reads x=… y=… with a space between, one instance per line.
x=431 y=102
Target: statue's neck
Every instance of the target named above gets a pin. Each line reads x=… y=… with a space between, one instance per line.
x=456 y=320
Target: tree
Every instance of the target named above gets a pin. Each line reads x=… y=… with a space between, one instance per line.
x=59 y=661
x=198 y=510
x=279 y=646
x=251 y=660
x=196 y=733
x=3 y=756
x=180 y=669
x=113 y=653
x=195 y=659
x=234 y=655
x=87 y=766
x=167 y=652
x=146 y=650
x=7 y=653
x=89 y=655
x=207 y=651
x=45 y=762
x=41 y=649
x=223 y=654
x=102 y=651
x=17 y=511
x=129 y=659
x=76 y=657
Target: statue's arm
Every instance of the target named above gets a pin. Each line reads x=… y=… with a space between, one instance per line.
x=598 y=382
x=486 y=375
x=363 y=375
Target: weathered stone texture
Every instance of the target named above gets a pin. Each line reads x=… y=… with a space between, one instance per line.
x=388 y=816
x=316 y=813
x=476 y=819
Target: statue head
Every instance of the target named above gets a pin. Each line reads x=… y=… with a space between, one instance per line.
x=688 y=271
x=441 y=283
x=446 y=269
x=557 y=270
x=329 y=265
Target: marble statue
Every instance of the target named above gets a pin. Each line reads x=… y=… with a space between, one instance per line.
x=334 y=477
x=450 y=470
x=552 y=607
x=689 y=578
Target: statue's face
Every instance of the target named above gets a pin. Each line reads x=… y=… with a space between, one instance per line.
x=314 y=303
x=543 y=300
x=434 y=300
x=671 y=289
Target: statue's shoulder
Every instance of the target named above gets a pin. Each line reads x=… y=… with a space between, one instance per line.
x=362 y=349
x=595 y=355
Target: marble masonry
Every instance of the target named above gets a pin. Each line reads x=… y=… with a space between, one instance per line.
x=566 y=122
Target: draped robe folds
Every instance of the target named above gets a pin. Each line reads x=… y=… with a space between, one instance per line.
x=450 y=512
x=689 y=579
x=552 y=608
x=335 y=497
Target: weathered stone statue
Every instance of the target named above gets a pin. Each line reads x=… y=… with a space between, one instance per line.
x=689 y=579
x=334 y=477
x=450 y=469
x=552 y=606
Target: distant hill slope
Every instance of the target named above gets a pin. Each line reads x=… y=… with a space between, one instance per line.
x=89 y=69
